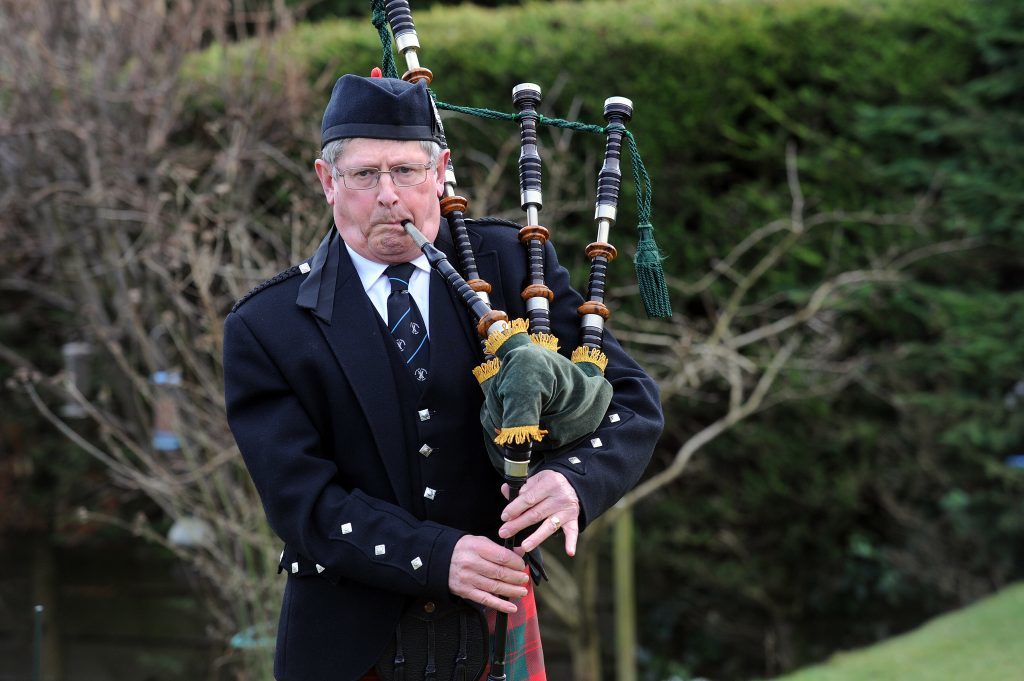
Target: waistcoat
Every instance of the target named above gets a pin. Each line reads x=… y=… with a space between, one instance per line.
x=454 y=482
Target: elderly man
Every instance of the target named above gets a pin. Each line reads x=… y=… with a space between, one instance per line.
x=349 y=391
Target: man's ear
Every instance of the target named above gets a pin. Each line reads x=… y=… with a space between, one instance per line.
x=439 y=170
x=327 y=181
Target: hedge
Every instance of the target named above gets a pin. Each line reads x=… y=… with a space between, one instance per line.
x=719 y=88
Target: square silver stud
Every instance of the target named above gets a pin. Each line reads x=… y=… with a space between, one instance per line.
x=378 y=550
x=295 y=567
x=304 y=268
x=416 y=563
x=424 y=414
x=426 y=450
x=320 y=568
x=430 y=493
x=596 y=442
x=346 y=528
x=574 y=459
x=614 y=418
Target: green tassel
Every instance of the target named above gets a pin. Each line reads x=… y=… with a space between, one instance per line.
x=650 y=275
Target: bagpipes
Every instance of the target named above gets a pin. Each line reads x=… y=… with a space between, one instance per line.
x=526 y=382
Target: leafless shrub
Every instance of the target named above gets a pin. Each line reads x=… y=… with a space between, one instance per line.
x=142 y=241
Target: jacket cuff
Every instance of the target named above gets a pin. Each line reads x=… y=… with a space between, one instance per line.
x=441 y=561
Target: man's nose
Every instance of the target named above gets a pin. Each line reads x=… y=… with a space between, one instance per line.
x=387 y=191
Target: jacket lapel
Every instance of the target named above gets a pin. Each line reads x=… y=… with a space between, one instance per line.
x=354 y=335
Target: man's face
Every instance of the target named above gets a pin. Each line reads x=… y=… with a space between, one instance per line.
x=370 y=220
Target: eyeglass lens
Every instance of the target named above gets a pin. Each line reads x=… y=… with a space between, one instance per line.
x=404 y=175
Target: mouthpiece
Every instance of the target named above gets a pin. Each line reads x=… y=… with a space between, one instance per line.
x=414 y=233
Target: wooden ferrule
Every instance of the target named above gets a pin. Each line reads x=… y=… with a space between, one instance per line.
x=418 y=74
x=538 y=291
x=451 y=204
x=601 y=248
x=534 y=233
x=594 y=307
x=479 y=285
x=490 y=318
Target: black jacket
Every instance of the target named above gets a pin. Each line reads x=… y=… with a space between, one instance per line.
x=345 y=452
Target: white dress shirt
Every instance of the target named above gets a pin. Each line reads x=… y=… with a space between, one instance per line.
x=378 y=286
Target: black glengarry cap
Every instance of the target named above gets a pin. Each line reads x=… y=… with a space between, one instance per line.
x=378 y=108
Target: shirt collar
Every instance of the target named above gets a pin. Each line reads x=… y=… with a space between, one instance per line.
x=369 y=271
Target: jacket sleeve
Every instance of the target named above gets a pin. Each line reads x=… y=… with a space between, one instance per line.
x=338 y=533
x=608 y=463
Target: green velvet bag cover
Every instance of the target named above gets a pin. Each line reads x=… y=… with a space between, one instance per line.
x=540 y=394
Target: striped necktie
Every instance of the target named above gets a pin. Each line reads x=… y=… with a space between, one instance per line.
x=405 y=323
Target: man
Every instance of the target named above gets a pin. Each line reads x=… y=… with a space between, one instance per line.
x=361 y=430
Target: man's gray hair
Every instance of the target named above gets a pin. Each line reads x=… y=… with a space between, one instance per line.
x=333 y=151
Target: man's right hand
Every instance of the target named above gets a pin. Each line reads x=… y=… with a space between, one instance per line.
x=487 y=573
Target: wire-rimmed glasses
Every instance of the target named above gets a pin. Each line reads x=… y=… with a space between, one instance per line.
x=403 y=175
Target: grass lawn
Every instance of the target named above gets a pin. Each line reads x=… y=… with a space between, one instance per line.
x=983 y=642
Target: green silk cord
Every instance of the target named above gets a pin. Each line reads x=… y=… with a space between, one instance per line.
x=379 y=18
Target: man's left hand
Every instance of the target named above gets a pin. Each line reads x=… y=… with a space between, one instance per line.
x=549 y=501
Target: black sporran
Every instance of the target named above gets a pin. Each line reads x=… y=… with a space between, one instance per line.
x=436 y=642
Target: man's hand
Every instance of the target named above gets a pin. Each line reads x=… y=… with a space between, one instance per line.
x=484 y=572
x=546 y=499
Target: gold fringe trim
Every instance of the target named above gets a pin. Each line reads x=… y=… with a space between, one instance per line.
x=592 y=355
x=519 y=435
x=487 y=370
x=496 y=340
x=545 y=340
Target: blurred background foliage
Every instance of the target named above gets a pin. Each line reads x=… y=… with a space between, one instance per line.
x=819 y=524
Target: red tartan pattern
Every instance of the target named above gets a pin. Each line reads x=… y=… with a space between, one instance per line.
x=524 y=654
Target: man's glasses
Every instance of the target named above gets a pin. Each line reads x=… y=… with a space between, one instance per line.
x=403 y=175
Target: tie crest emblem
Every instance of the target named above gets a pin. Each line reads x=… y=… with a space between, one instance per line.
x=406 y=324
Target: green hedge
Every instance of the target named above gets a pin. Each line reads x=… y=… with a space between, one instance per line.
x=719 y=87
